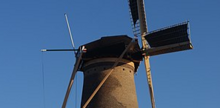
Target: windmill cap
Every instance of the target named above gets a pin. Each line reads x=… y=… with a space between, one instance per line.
x=112 y=47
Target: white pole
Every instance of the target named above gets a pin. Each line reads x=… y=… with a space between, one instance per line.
x=71 y=37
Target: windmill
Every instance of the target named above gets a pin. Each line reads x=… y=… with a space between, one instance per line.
x=109 y=64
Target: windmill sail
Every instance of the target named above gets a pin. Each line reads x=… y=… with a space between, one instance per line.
x=170 y=35
x=134 y=10
x=170 y=39
x=143 y=30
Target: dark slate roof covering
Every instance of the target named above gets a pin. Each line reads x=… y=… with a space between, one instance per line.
x=168 y=36
x=112 y=46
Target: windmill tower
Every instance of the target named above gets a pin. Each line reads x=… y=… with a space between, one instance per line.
x=106 y=67
x=109 y=64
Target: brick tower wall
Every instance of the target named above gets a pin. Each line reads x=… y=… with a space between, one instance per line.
x=119 y=89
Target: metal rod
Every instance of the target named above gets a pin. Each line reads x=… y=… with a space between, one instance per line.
x=44 y=50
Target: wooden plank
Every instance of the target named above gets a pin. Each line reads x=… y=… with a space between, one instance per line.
x=169 y=49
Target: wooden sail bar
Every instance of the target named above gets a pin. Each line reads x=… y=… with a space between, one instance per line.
x=143 y=28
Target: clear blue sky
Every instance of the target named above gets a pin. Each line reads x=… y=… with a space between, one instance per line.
x=188 y=79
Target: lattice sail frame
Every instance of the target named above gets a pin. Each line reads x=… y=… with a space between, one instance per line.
x=134 y=18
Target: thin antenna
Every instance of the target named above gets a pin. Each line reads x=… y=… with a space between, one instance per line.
x=43 y=75
x=71 y=37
